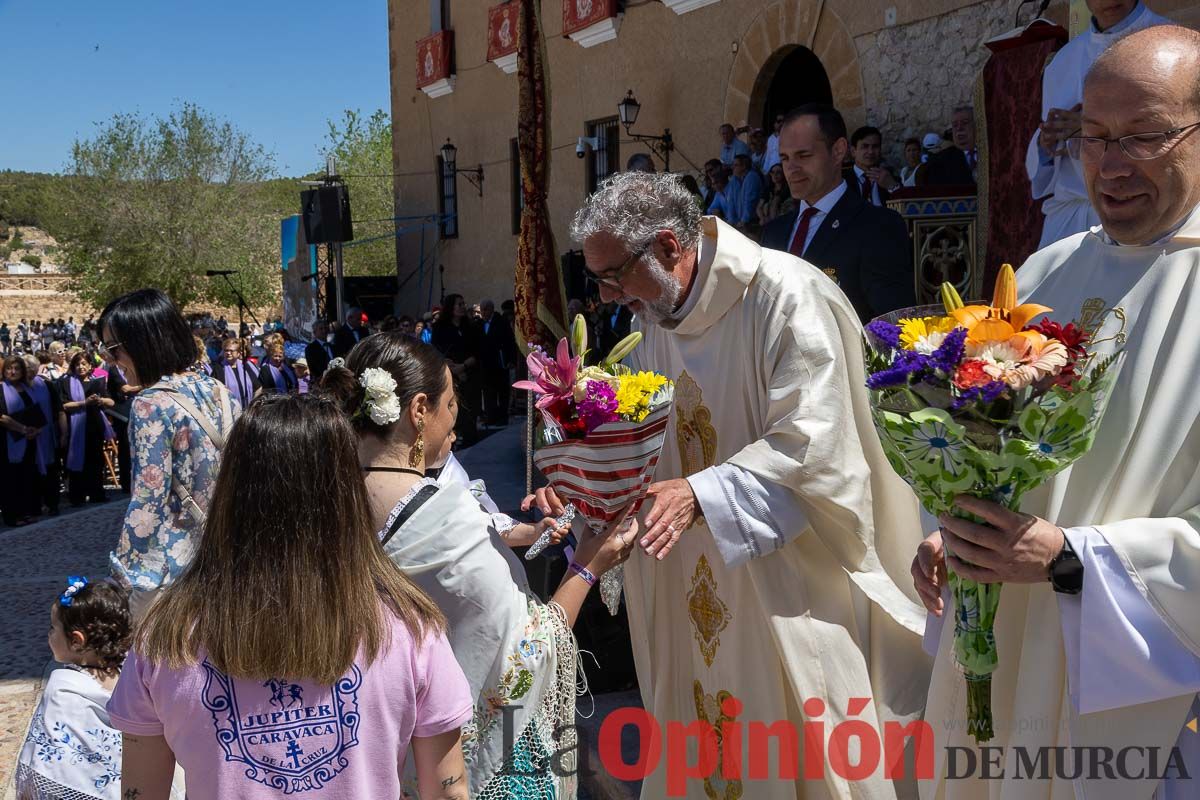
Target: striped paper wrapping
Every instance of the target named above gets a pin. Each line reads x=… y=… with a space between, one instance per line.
x=604 y=472
x=612 y=466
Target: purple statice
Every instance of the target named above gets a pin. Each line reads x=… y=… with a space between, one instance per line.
x=599 y=405
x=947 y=357
x=885 y=332
x=984 y=395
x=907 y=364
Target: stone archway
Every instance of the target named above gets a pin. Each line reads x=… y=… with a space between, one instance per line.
x=771 y=37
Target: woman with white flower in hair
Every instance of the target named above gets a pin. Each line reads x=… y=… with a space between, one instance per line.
x=517 y=652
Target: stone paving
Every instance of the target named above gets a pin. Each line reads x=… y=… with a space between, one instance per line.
x=34 y=564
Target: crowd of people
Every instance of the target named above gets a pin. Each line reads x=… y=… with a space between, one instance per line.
x=302 y=600
x=746 y=185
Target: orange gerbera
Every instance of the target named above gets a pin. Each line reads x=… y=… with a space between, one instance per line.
x=1003 y=319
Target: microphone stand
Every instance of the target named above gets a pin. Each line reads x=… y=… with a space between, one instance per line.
x=243 y=306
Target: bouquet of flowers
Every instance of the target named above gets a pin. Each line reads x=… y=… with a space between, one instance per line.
x=974 y=400
x=602 y=430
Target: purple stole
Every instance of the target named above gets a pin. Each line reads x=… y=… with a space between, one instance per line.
x=283 y=377
x=14 y=404
x=77 y=432
x=48 y=438
x=302 y=385
x=239 y=381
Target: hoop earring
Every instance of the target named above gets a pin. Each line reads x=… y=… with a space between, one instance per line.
x=417 y=454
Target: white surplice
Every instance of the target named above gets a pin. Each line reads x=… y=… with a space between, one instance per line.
x=1119 y=665
x=778 y=595
x=1059 y=179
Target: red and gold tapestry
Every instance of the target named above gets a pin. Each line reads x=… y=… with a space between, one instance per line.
x=540 y=301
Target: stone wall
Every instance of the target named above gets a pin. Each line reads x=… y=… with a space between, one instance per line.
x=43 y=297
x=914 y=75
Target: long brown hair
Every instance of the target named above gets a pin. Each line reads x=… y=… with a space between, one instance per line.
x=289 y=579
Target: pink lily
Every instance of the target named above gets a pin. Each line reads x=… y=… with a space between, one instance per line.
x=552 y=379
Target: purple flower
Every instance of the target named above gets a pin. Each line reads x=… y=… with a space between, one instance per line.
x=985 y=394
x=885 y=332
x=599 y=405
x=947 y=357
x=908 y=363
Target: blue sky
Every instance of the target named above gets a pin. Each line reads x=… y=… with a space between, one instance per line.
x=277 y=69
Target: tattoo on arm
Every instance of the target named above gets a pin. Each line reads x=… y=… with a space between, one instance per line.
x=131 y=794
x=448 y=782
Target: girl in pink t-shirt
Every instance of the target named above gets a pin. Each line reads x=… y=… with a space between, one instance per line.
x=291 y=657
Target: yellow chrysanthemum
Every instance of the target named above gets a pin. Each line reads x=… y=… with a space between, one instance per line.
x=635 y=392
x=925 y=334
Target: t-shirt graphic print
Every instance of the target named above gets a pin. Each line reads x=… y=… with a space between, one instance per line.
x=286 y=742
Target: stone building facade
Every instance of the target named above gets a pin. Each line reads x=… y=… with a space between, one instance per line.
x=900 y=65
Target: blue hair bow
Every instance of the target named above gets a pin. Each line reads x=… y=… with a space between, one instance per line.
x=74 y=584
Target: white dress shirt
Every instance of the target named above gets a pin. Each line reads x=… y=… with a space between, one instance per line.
x=823 y=206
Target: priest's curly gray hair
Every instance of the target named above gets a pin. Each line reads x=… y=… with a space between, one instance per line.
x=633 y=206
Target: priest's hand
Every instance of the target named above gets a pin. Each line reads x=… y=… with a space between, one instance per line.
x=929 y=572
x=672 y=511
x=1010 y=547
x=1059 y=124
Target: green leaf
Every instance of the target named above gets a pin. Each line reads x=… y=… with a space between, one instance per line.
x=523 y=685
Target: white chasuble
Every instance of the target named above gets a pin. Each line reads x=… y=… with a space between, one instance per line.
x=1059 y=179
x=784 y=600
x=1134 y=497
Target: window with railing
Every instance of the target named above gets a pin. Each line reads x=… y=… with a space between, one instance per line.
x=604 y=158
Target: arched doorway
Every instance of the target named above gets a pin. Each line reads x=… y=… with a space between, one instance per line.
x=822 y=61
x=791 y=77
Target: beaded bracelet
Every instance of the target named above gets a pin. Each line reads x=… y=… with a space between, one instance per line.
x=583 y=572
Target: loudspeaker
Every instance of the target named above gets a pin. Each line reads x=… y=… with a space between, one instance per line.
x=326 y=213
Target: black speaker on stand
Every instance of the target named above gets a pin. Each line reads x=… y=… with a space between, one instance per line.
x=326 y=214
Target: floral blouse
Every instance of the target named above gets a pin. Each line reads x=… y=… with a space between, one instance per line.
x=167 y=445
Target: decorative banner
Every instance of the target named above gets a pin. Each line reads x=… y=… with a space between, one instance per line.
x=434 y=57
x=580 y=14
x=502 y=31
x=540 y=300
x=299 y=260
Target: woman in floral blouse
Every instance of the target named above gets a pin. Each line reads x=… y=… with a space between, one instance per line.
x=176 y=427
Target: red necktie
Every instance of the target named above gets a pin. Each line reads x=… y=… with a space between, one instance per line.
x=797 y=246
x=867 y=188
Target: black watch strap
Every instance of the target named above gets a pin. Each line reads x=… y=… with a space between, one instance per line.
x=1066 y=570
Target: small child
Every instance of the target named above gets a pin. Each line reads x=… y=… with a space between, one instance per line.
x=71 y=751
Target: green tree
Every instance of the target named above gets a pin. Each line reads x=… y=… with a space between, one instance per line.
x=156 y=202
x=32 y=260
x=362 y=148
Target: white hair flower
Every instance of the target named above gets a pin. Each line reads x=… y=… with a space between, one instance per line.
x=382 y=405
x=337 y=362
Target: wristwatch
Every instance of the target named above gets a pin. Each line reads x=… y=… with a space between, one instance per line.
x=1066 y=570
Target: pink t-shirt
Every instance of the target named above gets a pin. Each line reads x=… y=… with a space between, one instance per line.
x=252 y=739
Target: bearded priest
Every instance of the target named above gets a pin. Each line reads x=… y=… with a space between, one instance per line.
x=769 y=586
x=1098 y=630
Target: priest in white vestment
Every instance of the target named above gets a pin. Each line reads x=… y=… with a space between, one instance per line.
x=1052 y=172
x=776 y=528
x=1114 y=668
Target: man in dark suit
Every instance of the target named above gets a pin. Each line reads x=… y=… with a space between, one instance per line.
x=864 y=248
x=319 y=352
x=497 y=352
x=954 y=166
x=350 y=334
x=872 y=180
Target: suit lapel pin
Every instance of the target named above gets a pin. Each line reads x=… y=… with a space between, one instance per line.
x=836 y=223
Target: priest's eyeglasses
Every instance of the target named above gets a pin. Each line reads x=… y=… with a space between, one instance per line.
x=1138 y=146
x=613 y=279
